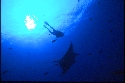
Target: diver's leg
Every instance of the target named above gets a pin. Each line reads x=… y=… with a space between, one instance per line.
x=54 y=31
x=48 y=29
x=45 y=26
x=49 y=25
x=52 y=28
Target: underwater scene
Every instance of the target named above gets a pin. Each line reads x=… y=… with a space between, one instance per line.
x=62 y=40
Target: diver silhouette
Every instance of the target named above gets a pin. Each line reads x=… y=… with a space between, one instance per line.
x=55 y=32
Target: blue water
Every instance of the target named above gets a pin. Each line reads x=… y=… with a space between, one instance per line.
x=95 y=27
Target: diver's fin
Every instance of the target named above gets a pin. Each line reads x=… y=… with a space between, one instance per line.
x=46 y=23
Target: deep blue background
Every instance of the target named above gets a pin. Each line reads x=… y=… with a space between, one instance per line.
x=98 y=37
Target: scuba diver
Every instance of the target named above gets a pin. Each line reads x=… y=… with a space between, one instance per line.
x=55 y=32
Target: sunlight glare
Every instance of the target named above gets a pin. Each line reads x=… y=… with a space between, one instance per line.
x=29 y=22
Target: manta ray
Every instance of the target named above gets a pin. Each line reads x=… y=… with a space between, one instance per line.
x=67 y=60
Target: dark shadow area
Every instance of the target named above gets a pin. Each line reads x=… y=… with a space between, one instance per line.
x=5 y=72
x=67 y=60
